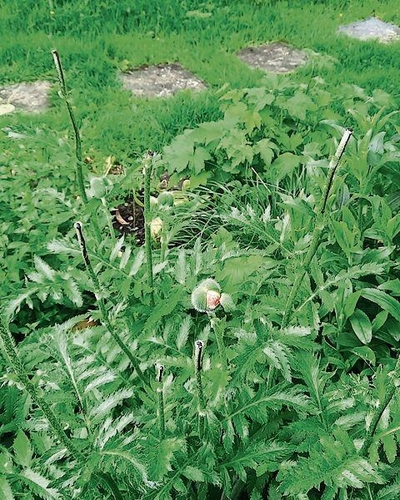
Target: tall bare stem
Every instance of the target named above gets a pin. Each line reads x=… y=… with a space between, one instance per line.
x=319 y=227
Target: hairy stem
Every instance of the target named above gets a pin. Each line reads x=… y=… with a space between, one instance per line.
x=77 y=135
x=160 y=392
x=390 y=392
x=218 y=329
x=16 y=364
x=148 y=167
x=198 y=360
x=319 y=227
x=102 y=307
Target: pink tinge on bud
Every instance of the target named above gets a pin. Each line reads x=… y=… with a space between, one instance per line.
x=213 y=299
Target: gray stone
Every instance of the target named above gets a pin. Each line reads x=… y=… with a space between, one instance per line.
x=275 y=57
x=30 y=97
x=161 y=80
x=372 y=28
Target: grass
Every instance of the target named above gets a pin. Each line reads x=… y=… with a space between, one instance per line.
x=96 y=40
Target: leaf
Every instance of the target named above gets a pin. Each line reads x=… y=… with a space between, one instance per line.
x=117 y=249
x=180 y=267
x=5 y=489
x=388 y=303
x=104 y=408
x=265 y=148
x=39 y=485
x=237 y=269
x=183 y=333
x=165 y=307
x=390 y=447
x=276 y=354
x=162 y=457
x=298 y=105
x=193 y=473
x=362 y=326
x=125 y=455
x=43 y=268
x=23 y=450
x=200 y=156
x=284 y=165
x=137 y=263
x=365 y=353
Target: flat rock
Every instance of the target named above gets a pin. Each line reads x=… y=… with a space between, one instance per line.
x=31 y=97
x=372 y=28
x=161 y=80
x=275 y=57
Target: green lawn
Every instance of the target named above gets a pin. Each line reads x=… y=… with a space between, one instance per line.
x=95 y=40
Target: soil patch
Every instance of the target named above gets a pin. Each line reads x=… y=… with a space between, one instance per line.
x=161 y=80
x=30 y=97
x=372 y=28
x=275 y=57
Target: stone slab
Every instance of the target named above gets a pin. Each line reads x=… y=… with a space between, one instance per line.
x=372 y=28
x=161 y=80
x=32 y=97
x=274 y=57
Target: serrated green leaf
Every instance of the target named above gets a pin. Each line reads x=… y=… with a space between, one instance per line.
x=5 y=489
x=39 y=485
x=43 y=268
x=23 y=450
x=390 y=447
x=193 y=473
x=183 y=333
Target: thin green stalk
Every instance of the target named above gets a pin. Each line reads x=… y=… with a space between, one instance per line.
x=77 y=137
x=318 y=230
x=105 y=318
x=391 y=390
x=78 y=143
x=148 y=167
x=217 y=327
x=198 y=360
x=16 y=364
x=160 y=392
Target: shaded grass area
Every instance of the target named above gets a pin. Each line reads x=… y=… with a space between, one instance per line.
x=98 y=39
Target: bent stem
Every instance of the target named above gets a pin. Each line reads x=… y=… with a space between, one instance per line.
x=102 y=307
x=319 y=227
x=77 y=137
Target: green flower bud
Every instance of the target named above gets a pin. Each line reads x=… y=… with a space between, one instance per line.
x=206 y=296
x=166 y=199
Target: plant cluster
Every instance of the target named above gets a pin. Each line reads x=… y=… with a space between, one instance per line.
x=248 y=350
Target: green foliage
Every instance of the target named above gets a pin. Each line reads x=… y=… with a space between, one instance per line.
x=114 y=386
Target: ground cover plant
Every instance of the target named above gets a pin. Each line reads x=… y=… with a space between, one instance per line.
x=217 y=318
